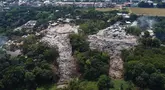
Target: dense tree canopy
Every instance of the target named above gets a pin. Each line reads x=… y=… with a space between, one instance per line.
x=92 y=27
x=142 y=64
x=29 y=70
x=159 y=29
x=161 y=5
x=145 y=5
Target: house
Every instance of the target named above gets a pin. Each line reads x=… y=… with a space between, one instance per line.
x=83 y=4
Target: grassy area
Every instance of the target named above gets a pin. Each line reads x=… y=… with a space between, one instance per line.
x=48 y=87
x=85 y=85
x=106 y=9
x=111 y=9
x=119 y=83
x=93 y=86
x=148 y=11
x=138 y=11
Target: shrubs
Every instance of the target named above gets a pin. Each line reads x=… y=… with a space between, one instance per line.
x=79 y=43
x=92 y=26
x=91 y=63
x=149 y=42
x=104 y=83
x=133 y=31
x=77 y=84
x=145 y=75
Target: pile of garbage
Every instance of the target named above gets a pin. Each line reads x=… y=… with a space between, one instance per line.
x=58 y=37
x=112 y=40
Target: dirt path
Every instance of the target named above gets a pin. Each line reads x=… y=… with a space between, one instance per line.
x=116 y=67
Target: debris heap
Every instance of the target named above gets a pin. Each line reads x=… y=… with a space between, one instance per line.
x=58 y=37
x=112 y=40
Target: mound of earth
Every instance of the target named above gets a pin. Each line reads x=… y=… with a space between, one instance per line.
x=112 y=40
x=58 y=37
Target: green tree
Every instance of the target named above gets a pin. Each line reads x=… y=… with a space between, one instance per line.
x=146 y=34
x=121 y=87
x=149 y=42
x=104 y=83
x=156 y=42
x=1 y=85
x=74 y=85
x=79 y=43
x=157 y=81
x=133 y=30
x=13 y=77
x=92 y=26
x=133 y=17
x=92 y=64
x=30 y=80
x=145 y=5
x=29 y=76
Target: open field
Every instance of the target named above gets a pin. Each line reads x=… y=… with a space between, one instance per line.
x=139 y=11
x=106 y=9
x=47 y=87
x=148 y=11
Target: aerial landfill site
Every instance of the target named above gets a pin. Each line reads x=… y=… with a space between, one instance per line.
x=111 y=40
x=82 y=45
